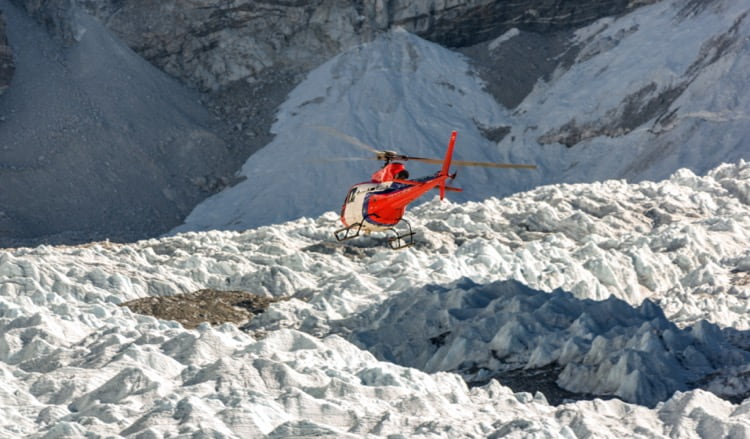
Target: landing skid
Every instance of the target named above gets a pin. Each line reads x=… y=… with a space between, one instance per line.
x=396 y=242
x=401 y=240
x=348 y=233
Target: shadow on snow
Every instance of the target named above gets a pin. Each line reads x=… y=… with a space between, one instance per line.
x=567 y=348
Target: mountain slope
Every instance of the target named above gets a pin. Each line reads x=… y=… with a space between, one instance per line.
x=647 y=94
x=96 y=142
x=398 y=92
x=635 y=102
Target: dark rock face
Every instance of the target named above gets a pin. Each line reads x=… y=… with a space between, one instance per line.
x=535 y=55
x=97 y=143
x=211 y=45
x=472 y=22
x=247 y=55
x=55 y=15
x=6 y=58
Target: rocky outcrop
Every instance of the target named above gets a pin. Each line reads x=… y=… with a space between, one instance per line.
x=55 y=15
x=650 y=103
x=211 y=44
x=633 y=111
x=248 y=54
x=6 y=58
x=460 y=24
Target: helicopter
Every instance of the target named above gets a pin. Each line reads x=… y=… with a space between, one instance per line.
x=379 y=204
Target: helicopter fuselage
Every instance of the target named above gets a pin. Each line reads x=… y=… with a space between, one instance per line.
x=378 y=206
x=380 y=203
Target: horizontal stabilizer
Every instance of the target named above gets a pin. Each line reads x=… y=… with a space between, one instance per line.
x=451 y=189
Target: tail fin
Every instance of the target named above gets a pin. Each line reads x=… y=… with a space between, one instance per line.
x=447 y=163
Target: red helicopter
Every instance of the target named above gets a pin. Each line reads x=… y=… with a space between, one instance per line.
x=379 y=204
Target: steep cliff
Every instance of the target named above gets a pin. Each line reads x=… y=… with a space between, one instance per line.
x=210 y=44
x=247 y=55
x=7 y=67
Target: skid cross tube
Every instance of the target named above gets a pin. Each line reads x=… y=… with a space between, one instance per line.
x=401 y=240
x=348 y=232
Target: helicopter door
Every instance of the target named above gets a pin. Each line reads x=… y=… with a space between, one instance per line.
x=350 y=213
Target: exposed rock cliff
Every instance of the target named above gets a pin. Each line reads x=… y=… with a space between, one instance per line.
x=249 y=54
x=6 y=58
x=210 y=44
x=56 y=15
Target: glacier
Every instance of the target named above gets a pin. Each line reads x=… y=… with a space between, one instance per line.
x=634 y=296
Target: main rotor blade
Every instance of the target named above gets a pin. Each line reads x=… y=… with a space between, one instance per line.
x=469 y=163
x=345 y=137
x=390 y=155
x=342 y=159
x=493 y=165
x=422 y=159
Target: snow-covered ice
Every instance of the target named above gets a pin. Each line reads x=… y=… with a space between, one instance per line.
x=637 y=291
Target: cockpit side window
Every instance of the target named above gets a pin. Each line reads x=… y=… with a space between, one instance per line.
x=352 y=195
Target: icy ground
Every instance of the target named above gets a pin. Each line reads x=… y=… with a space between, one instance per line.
x=634 y=291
